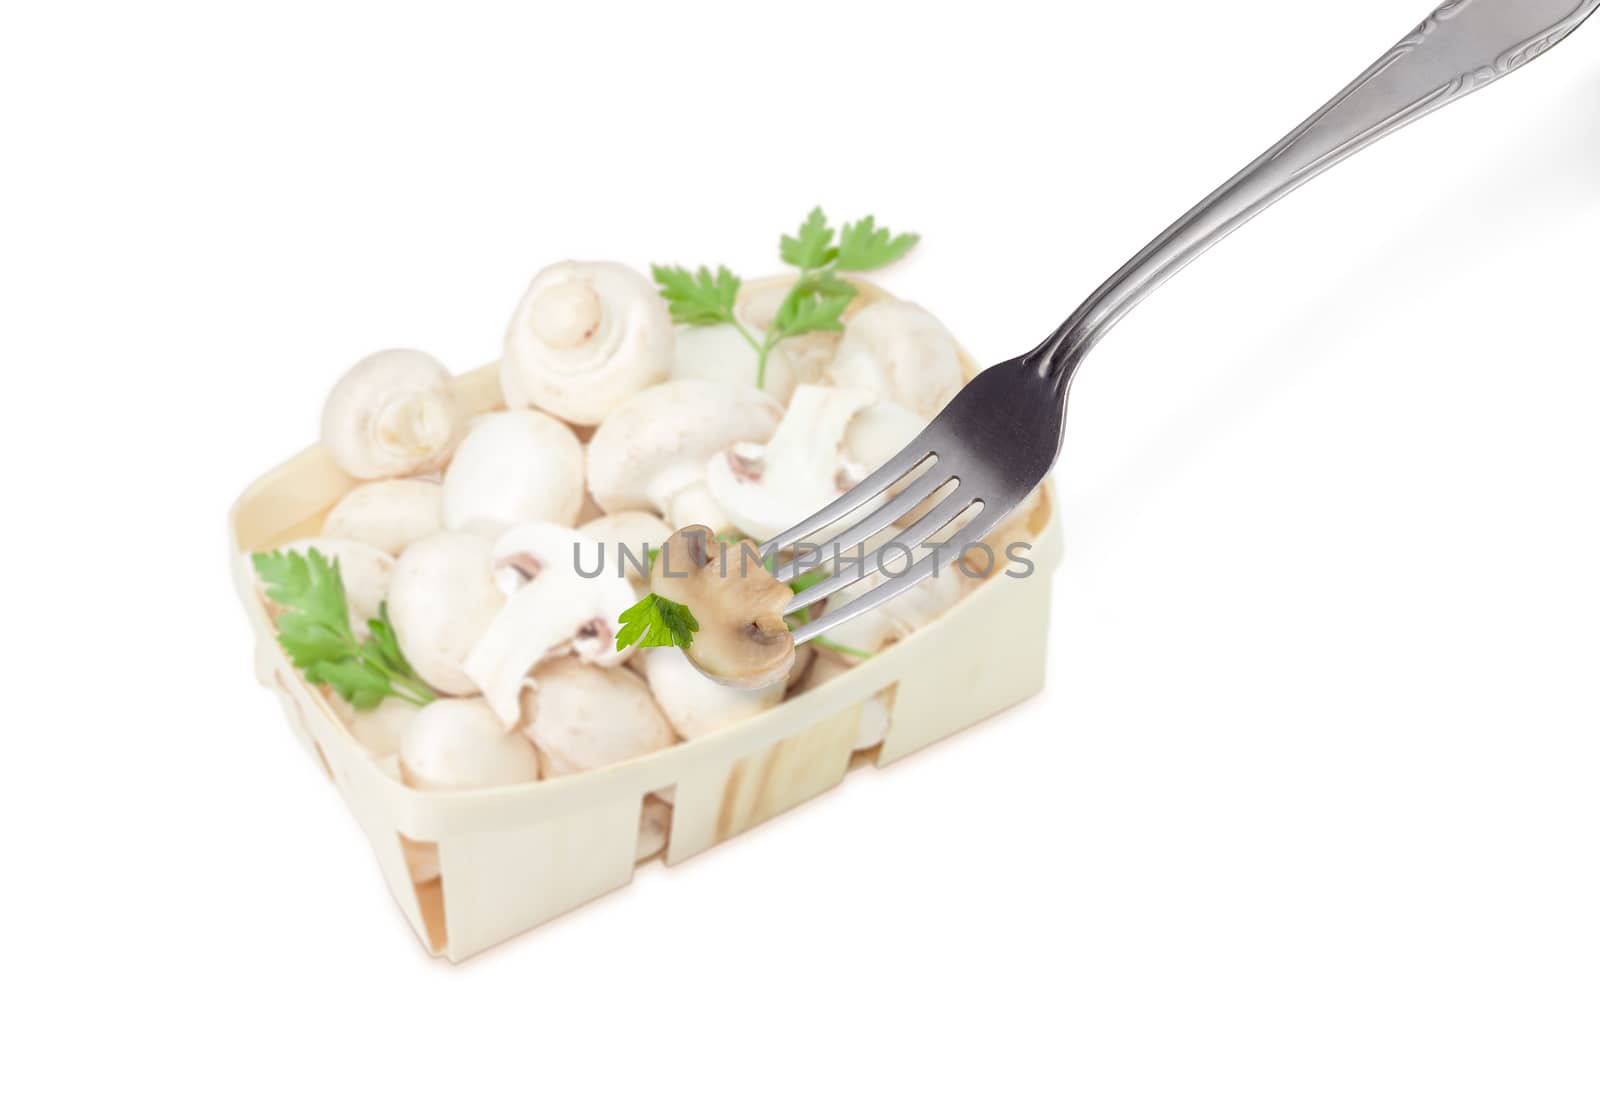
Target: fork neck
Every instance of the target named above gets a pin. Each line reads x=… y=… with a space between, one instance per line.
x=1247 y=193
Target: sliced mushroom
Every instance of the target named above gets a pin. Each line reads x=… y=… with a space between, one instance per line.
x=901 y=354
x=582 y=717
x=551 y=611
x=651 y=452
x=626 y=539
x=367 y=574
x=458 y=744
x=511 y=469
x=392 y=414
x=765 y=488
x=698 y=706
x=442 y=600
x=586 y=337
x=743 y=640
x=389 y=515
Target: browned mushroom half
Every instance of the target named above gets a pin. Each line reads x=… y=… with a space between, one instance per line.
x=743 y=640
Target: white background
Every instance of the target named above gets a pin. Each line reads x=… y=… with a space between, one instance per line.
x=1307 y=816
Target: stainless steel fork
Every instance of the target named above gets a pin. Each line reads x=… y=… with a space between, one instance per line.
x=996 y=441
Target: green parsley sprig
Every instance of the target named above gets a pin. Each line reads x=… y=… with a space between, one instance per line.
x=656 y=622
x=817 y=300
x=314 y=629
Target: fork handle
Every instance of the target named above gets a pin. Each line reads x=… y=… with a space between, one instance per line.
x=1460 y=48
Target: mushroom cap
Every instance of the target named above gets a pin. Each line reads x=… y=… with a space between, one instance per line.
x=805 y=357
x=764 y=489
x=441 y=601
x=392 y=414
x=582 y=717
x=380 y=729
x=653 y=449
x=696 y=705
x=633 y=532
x=367 y=574
x=513 y=468
x=457 y=744
x=552 y=610
x=389 y=515
x=585 y=337
x=719 y=353
x=743 y=640
x=901 y=354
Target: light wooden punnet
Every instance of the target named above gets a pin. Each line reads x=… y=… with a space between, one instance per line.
x=510 y=858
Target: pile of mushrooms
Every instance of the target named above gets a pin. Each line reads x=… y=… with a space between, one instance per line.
x=505 y=546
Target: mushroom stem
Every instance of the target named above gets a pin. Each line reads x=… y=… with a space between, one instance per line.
x=695 y=504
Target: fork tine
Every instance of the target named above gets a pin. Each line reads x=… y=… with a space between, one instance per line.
x=902 y=503
x=976 y=530
x=935 y=519
x=863 y=492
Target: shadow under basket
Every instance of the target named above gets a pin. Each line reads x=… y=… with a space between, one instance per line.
x=509 y=858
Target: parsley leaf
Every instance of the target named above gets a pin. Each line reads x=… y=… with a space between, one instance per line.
x=656 y=622
x=700 y=297
x=865 y=246
x=314 y=629
x=812 y=248
x=815 y=303
x=806 y=311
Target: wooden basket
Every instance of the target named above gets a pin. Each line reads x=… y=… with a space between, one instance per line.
x=510 y=858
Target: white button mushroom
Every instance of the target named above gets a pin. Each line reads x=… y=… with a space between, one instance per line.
x=805 y=358
x=743 y=639
x=582 y=717
x=626 y=538
x=697 y=705
x=367 y=574
x=380 y=729
x=765 y=488
x=718 y=353
x=389 y=515
x=392 y=414
x=552 y=611
x=585 y=338
x=513 y=468
x=901 y=354
x=651 y=453
x=442 y=600
x=458 y=744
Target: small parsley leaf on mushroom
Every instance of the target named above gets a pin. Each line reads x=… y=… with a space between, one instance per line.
x=314 y=629
x=699 y=297
x=817 y=300
x=656 y=622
